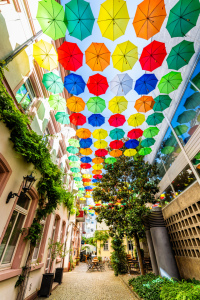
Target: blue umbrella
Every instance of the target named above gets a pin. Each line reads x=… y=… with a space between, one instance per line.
x=131 y=144
x=88 y=188
x=85 y=143
x=121 y=84
x=94 y=180
x=86 y=159
x=96 y=120
x=145 y=84
x=74 y=84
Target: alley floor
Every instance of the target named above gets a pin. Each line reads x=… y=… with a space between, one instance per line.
x=82 y=285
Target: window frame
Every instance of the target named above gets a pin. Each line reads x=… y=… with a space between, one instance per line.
x=34 y=260
x=106 y=244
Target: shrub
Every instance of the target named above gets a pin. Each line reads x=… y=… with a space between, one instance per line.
x=181 y=290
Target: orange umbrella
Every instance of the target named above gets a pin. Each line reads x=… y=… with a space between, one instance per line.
x=75 y=104
x=86 y=151
x=98 y=160
x=97 y=172
x=83 y=133
x=116 y=153
x=97 y=56
x=149 y=17
x=144 y=104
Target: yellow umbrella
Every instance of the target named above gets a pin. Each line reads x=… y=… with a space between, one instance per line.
x=113 y=18
x=87 y=196
x=97 y=167
x=100 y=134
x=88 y=193
x=86 y=151
x=86 y=183
x=45 y=55
x=87 y=176
x=82 y=198
x=101 y=144
x=130 y=152
x=125 y=56
x=118 y=104
x=136 y=120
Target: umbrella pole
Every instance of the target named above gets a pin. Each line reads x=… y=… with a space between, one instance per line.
x=194 y=85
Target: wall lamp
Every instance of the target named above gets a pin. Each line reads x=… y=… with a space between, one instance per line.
x=28 y=182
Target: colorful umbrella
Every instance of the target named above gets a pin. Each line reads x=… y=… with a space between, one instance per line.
x=97 y=84
x=193 y=101
x=94 y=180
x=118 y=104
x=75 y=170
x=180 y=55
x=144 y=104
x=121 y=84
x=62 y=118
x=52 y=82
x=101 y=152
x=74 y=84
x=89 y=188
x=96 y=120
x=148 y=142
x=116 y=144
x=116 y=120
x=136 y=120
x=152 y=56
x=155 y=118
x=85 y=143
x=183 y=17
x=101 y=144
x=74 y=142
x=56 y=102
x=117 y=134
x=45 y=55
x=86 y=159
x=68 y=132
x=97 y=167
x=86 y=151
x=145 y=151
x=125 y=56
x=96 y=172
x=80 y=19
x=145 y=84
x=96 y=105
x=162 y=102
x=97 y=176
x=76 y=175
x=131 y=144
x=83 y=133
x=150 y=132
x=70 y=56
x=77 y=119
x=149 y=17
x=167 y=150
x=97 y=56
x=130 y=152
x=171 y=141
x=75 y=104
x=135 y=133
x=81 y=189
x=85 y=166
x=186 y=116
x=87 y=183
x=86 y=180
x=110 y=160
x=97 y=160
x=170 y=82
x=87 y=176
x=115 y=153
x=74 y=164
x=73 y=158
x=113 y=18
x=100 y=134
x=73 y=150
x=51 y=17
x=82 y=198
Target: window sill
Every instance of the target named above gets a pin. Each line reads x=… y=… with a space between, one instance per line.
x=9 y=273
x=58 y=260
x=36 y=266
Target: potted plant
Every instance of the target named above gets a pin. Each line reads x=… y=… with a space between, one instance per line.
x=59 y=271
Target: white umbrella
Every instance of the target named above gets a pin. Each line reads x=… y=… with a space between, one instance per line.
x=68 y=132
x=121 y=84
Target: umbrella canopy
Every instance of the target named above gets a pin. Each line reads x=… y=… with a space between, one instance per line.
x=150 y=132
x=170 y=141
x=85 y=143
x=52 y=82
x=97 y=176
x=100 y=134
x=116 y=144
x=149 y=18
x=74 y=142
x=96 y=105
x=125 y=56
x=86 y=159
x=73 y=158
x=180 y=55
x=74 y=164
x=62 y=118
x=118 y=104
x=80 y=19
x=130 y=152
x=74 y=84
x=145 y=84
x=117 y=134
x=101 y=152
x=135 y=133
x=74 y=150
x=152 y=56
x=56 y=102
x=76 y=175
x=162 y=102
x=97 y=160
x=132 y=144
x=87 y=176
x=101 y=144
x=116 y=153
x=97 y=167
x=85 y=166
x=136 y=120
x=70 y=56
x=145 y=151
x=144 y=104
x=94 y=180
x=167 y=150
x=75 y=104
x=77 y=119
x=170 y=82
x=183 y=17
x=193 y=101
x=116 y=120
x=83 y=133
x=96 y=172
x=148 y=142
x=155 y=118
x=68 y=132
x=113 y=18
x=110 y=160
x=186 y=116
x=86 y=151
x=51 y=17
x=96 y=120
x=97 y=84
x=87 y=183
x=77 y=179
x=45 y=55
x=86 y=180
x=97 y=56
x=121 y=84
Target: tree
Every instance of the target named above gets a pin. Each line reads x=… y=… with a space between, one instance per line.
x=102 y=236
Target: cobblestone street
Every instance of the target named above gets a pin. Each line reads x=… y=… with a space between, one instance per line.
x=82 y=285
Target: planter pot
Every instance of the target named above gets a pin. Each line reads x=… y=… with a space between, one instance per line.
x=58 y=275
x=46 y=286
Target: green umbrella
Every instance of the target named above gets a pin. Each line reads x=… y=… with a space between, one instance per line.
x=196 y=162
x=155 y=118
x=162 y=102
x=74 y=164
x=72 y=149
x=197 y=156
x=77 y=179
x=148 y=142
x=80 y=19
x=196 y=81
x=117 y=134
x=183 y=17
x=150 y=132
x=96 y=105
x=110 y=160
x=81 y=189
x=53 y=83
x=167 y=150
x=180 y=55
x=76 y=175
x=186 y=116
x=145 y=151
x=171 y=141
x=74 y=142
x=193 y=101
x=170 y=82
x=73 y=158
x=181 y=129
x=75 y=170
x=58 y=103
x=51 y=17
x=62 y=118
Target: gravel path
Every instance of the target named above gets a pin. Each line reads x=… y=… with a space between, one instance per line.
x=82 y=285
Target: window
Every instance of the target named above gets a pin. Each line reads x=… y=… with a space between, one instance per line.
x=11 y=237
x=37 y=247
x=25 y=95
x=53 y=240
x=130 y=246
x=105 y=247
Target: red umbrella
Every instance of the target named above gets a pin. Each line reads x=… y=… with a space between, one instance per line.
x=135 y=133
x=101 y=152
x=97 y=84
x=192 y=130
x=152 y=56
x=116 y=120
x=85 y=166
x=70 y=56
x=116 y=144
x=77 y=119
x=86 y=180
x=97 y=176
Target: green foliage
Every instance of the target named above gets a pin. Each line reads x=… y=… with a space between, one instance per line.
x=102 y=236
x=19 y=281
x=89 y=241
x=118 y=256
x=180 y=291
